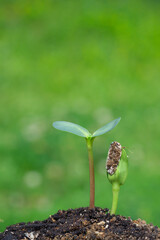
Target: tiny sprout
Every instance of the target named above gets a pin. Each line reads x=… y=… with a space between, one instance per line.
x=83 y=132
x=117 y=170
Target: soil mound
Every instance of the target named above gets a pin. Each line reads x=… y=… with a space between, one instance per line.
x=82 y=223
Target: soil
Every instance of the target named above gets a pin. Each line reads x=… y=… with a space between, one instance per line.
x=82 y=223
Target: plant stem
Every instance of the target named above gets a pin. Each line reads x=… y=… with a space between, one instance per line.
x=115 y=190
x=91 y=171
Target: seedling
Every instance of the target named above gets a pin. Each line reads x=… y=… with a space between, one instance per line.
x=83 y=132
x=117 y=170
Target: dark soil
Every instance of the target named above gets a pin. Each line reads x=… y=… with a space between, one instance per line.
x=82 y=223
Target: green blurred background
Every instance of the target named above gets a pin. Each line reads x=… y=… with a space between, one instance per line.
x=87 y=62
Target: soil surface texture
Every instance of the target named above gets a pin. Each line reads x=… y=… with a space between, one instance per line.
x=82 y=223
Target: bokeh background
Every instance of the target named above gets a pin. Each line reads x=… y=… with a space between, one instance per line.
x=87 y=62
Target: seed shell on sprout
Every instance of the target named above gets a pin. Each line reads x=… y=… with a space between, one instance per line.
x=113 y=158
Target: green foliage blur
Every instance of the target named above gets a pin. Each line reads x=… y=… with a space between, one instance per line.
x=86 y=62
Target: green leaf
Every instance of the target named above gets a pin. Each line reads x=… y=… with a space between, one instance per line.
x=106 y=128
x=72 y=128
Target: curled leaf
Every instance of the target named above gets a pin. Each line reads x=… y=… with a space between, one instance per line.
x=117 y=164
